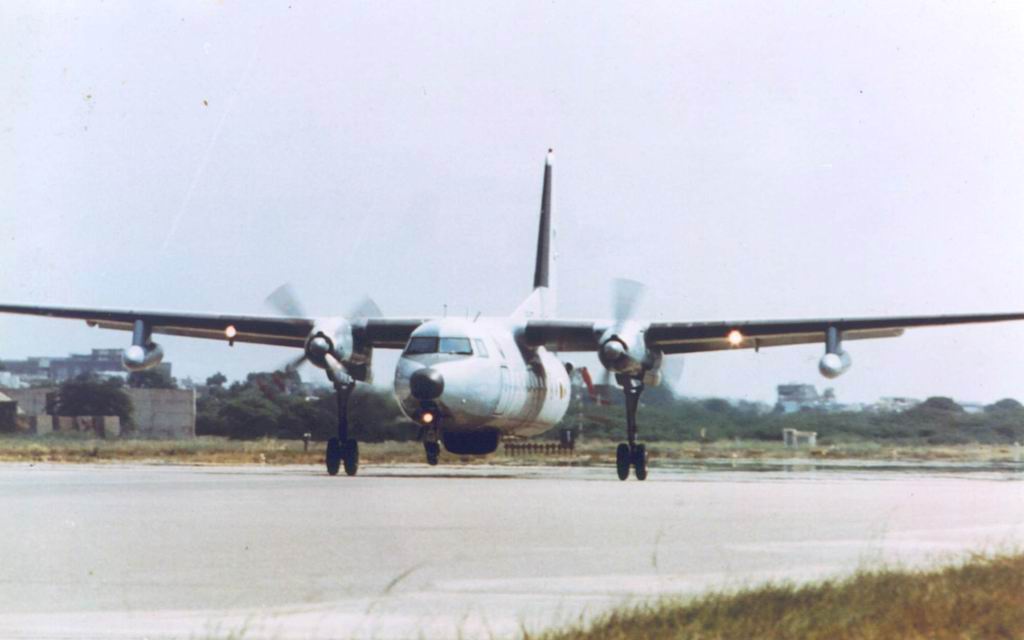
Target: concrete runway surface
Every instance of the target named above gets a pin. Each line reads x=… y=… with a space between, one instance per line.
x=119 y=551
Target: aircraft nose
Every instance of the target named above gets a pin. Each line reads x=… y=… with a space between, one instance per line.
x=426 y=384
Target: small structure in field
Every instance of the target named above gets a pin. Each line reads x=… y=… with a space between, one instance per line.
x=795 y=438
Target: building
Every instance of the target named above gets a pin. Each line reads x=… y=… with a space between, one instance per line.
x=797 y=397
x=794 y=397
x=895 y=404
x=8 y=413
x=45 y=370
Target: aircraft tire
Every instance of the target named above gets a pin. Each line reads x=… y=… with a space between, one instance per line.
x=350 y=457
x=622 y=460
x=640 y=461
x=433 y=450
x=333 y=456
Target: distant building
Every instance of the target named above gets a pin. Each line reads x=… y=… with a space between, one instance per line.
x=797 y=397
x=45 y=370
x=895 y=404
x=794 y=397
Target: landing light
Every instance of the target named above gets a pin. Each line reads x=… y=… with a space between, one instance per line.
x=230 y=332
x=735 y=338
x=427 y=417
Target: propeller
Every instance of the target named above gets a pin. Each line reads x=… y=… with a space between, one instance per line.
x=626 y=295
x=285 y=301
x=625 y=298
x=672 y=372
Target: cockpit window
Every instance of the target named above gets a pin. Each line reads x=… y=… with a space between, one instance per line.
x=456 y=346
x=422 y=345
x=460 y=346
x=481 y=348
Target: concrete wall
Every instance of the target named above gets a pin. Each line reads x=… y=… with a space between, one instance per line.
x=32 y=402
x=167 y=413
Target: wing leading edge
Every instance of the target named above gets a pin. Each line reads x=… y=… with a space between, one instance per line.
x=283 y=332
x=694 y=337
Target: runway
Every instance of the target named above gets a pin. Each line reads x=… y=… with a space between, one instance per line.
x=410 y=551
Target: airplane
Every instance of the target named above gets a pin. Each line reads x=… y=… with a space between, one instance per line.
x=466 y=383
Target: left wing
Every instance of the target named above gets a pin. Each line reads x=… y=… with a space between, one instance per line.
x=691 y=337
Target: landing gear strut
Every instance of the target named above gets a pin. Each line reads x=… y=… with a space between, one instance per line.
x=433 y=451
x=343 y=451
x=630 y=453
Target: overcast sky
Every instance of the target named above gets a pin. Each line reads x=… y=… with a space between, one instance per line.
x=744 y=160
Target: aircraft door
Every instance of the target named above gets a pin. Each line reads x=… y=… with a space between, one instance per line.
x=505 y=392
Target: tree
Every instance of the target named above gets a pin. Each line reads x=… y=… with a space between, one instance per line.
x=941 y=403
x=151 y=379
x=1006 y=404
x=216 y=380
x=89 y=395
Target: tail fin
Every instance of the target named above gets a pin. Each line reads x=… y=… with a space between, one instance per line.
x=541 y=303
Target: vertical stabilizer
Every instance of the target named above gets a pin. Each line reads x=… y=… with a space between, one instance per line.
x=541 y=303
x=542 y=270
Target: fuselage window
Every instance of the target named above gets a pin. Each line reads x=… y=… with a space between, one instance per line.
x=459 y=346
x=481 y=348
x=421 y=345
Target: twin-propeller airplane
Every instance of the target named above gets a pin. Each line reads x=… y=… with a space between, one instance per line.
x=465 y=383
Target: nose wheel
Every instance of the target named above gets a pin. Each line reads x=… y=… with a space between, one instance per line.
x=631 y=453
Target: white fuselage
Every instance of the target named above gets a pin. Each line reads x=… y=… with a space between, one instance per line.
x=491 y=379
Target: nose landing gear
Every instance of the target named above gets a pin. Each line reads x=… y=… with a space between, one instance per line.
x=431 y=443
x=433 y=451
x=630 y=453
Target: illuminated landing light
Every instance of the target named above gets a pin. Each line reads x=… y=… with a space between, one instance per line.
x=735 y=338
x=427 y=417
x=231 y=331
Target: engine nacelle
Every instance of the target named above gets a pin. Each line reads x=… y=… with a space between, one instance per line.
x=139 y=358
x=624 y=351
x=337 y=338
x=833 y=365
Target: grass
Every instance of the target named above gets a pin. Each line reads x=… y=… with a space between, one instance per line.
x=981 y=598
x=214 y=450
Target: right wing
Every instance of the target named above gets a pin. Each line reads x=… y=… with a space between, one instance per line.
x=387 y=333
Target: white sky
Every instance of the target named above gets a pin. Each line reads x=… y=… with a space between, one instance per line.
x=745 y=160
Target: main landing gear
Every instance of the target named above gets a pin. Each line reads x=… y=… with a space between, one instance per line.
x=343 y=451
x=630 y=453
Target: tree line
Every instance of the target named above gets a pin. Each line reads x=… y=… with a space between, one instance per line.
x=279 y=405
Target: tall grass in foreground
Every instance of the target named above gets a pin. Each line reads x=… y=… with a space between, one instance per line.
x=982 y=598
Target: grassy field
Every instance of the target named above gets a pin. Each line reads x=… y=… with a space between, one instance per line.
x=212 y=450
x=982 y=598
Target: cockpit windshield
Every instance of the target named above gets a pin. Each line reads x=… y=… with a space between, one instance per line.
x=456 y=346
x=459 y=346
x=421 y=345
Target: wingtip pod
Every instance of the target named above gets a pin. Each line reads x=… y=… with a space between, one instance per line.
x=549 y=160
